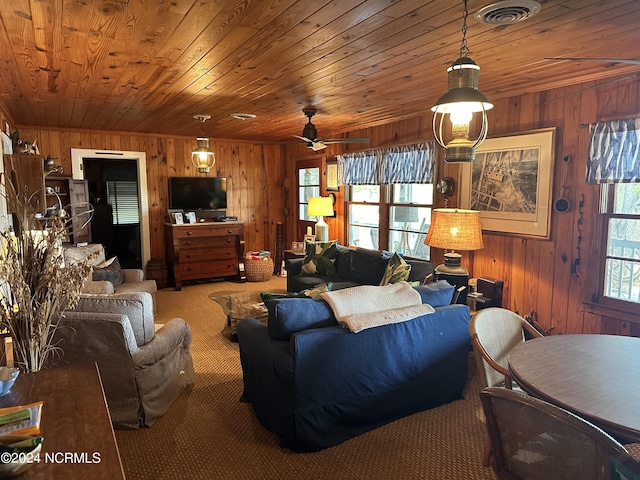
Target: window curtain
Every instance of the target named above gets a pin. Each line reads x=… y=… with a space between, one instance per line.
x=358 y=168
x=403 y=164
x=614 y=152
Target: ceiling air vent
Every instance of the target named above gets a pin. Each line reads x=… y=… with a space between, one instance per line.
x=507 y=12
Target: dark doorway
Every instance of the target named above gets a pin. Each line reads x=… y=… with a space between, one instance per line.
x=113 y=191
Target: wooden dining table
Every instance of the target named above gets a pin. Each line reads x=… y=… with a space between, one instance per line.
x=597 y=377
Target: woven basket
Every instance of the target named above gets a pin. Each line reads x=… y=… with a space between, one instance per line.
x=258 y=270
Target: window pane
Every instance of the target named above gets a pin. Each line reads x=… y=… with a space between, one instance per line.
x=309 y=176
x=364 y=237
x=365 y=193
x=622 y=280
x=413 y=193
x=308 y=192
x=624 y=238
x=366 y=215
x=409 y=227
x=627 y=198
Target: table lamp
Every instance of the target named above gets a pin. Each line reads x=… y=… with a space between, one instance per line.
x=454 y=229
x=405 y=215
x=321 y=207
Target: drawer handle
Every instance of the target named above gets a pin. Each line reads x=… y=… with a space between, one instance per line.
x=228 y=240
x=189 y=232
x=187 y=243
x=229 y=231
x=188 y=256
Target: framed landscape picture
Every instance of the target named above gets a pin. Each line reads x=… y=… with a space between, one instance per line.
x=511 y=181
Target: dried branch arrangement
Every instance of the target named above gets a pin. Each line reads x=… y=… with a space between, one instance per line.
x=35 y=284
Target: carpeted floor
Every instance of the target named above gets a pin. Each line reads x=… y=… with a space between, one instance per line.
x=209 y=434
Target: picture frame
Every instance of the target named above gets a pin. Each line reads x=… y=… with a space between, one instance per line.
x=177 y=218
x=511 y=183
x=331 y=176
x=190 y=217
x=309 y=238
x=297 y=247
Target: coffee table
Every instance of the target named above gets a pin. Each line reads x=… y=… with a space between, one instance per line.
x=238 y=305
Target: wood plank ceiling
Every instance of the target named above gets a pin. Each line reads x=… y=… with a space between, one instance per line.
x=150 y=65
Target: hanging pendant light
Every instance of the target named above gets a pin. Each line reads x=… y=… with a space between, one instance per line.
x=202 y=156
x=461 y=101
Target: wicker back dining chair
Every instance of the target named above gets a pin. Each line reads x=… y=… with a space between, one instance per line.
x=494 y=332
x=535 y=440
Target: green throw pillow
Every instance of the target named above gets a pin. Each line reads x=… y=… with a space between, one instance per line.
x=319 y=258
x=397 y=270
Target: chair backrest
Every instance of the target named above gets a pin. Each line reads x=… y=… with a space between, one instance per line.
x=494 y=332
x=532 y=439
x=138 y=306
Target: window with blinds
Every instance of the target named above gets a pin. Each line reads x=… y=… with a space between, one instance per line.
x=123 y=197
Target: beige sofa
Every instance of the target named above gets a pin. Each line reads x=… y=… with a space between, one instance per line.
x=133 y=277
x=142 y=370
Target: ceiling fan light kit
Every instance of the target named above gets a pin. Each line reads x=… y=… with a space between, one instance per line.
x=461 y=101
x=310 y=134
x=202 y=157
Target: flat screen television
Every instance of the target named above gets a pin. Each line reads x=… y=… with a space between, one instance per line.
x=197 y=193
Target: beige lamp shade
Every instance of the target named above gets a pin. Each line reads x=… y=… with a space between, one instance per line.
x=455 y=229
x=320 y=207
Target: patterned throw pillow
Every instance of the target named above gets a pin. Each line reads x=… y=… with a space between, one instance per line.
x=319 y=258
x=109 y=271
x=397 y=270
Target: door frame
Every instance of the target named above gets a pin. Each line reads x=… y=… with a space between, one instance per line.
x=77 y=157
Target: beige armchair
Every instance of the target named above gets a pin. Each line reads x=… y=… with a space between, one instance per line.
x=133 y=278
x=142 y=370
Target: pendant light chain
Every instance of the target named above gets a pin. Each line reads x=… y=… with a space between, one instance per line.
x=464 y=50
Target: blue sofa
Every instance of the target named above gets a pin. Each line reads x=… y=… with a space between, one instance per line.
x=315 y=384
x=354 y=266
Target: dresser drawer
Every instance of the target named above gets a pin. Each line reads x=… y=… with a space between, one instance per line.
x=207 y=254
x=208 y=231
x=208 y=242
x=216 y=268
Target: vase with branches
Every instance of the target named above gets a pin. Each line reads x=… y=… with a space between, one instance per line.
x=36 y=286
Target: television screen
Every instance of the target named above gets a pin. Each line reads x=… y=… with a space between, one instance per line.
x=197 y=193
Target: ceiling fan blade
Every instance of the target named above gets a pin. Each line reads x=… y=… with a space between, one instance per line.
x=609 y=60
x=347 y=140
x=304 y=139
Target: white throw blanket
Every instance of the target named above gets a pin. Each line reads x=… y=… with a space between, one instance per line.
x=370 y=306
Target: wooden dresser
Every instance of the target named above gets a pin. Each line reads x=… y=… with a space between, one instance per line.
x=204 y=250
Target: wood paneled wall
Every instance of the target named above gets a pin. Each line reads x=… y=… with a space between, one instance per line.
x=537 y=273
x=254 y=175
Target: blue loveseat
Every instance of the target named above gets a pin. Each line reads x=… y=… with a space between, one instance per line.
x=354 y=267
x=315 y=384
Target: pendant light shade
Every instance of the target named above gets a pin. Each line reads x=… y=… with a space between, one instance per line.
x=202 y=156
x=460 y=103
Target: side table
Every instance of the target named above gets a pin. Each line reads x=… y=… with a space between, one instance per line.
x=289 y=254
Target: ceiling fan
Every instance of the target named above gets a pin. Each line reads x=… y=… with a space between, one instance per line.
x=607 y=60
x=310 y=134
